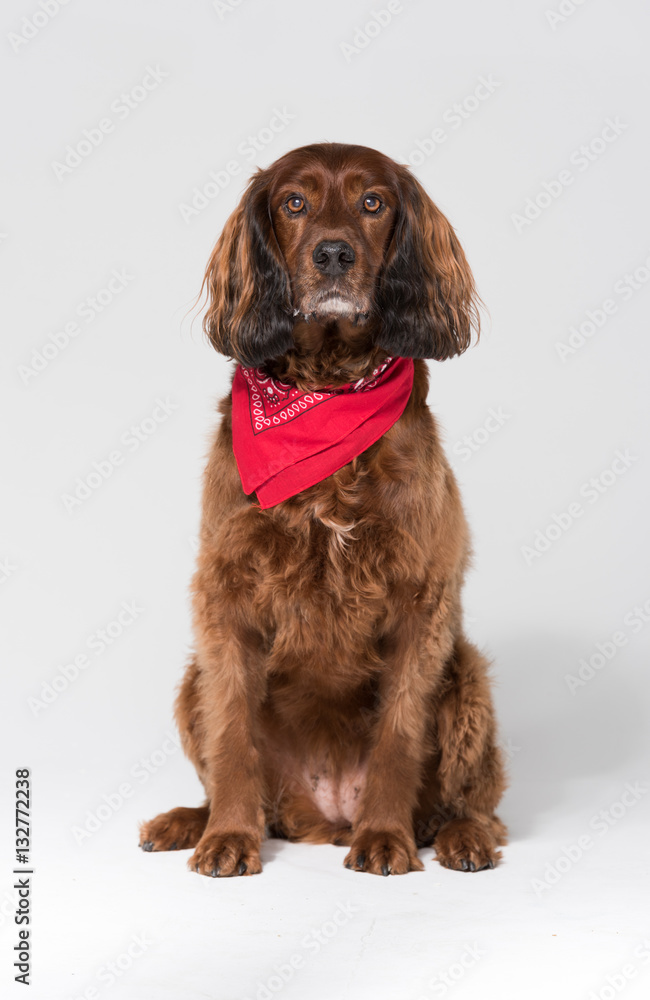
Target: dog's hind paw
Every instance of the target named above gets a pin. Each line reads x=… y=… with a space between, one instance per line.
x=174 y=830
x=467 y=845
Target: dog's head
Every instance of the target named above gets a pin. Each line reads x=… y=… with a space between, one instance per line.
x=333 y=233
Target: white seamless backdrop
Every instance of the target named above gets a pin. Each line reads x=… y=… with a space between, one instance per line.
x=129 y=132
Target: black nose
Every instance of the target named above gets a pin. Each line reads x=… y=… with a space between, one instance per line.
x=333 y=257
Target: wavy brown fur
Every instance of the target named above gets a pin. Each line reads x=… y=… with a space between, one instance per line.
x=333 y=696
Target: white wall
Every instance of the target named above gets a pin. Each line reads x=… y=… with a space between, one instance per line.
x=221 y=77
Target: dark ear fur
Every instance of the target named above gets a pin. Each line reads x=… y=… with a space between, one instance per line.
x=249 y=314
x=426 y=301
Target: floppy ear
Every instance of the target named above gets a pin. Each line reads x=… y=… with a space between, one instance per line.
x=426 y=300
x=249 y=314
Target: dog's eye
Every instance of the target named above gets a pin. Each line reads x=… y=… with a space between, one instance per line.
x=295 y=203
x=372 y=203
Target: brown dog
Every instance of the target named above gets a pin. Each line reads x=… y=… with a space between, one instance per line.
x=333 y=696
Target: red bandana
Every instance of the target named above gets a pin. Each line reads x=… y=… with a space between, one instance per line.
x=286 y=440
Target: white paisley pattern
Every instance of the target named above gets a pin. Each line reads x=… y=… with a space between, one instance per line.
x=273 y=402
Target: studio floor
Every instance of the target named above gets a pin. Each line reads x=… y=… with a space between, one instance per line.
x=565 y=915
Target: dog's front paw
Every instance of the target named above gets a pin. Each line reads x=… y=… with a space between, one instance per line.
x=383 y=853
x=223 y=854
x=467 y=845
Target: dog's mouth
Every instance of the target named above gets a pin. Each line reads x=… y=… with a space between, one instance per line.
x=333 y=305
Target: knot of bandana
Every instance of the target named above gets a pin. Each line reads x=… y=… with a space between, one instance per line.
x=286 y=440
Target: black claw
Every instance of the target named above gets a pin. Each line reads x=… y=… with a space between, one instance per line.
x=347 y=864
x=385 y=870
x=361 y=860
x=196 y=868
x=488 y=864
x=148 y=845
x=243 y=867
x=173 y=847
x=471 y=866
x=214 y=872
x=464 y=865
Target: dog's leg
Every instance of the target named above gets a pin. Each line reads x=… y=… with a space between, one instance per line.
x=180 y=828
x=469 y=780
x=382 y=839
x=231 y=686
x=174 y=830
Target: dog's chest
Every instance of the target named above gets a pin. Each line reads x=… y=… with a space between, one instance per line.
x=339 y=564
x=321 y=578
x=326 y=592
